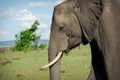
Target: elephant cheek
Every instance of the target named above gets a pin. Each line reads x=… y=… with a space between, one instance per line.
x=63 y=45
x=74 y=42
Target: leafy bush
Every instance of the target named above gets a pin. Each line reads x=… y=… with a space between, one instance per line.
x=43 y=46
x=26 y=39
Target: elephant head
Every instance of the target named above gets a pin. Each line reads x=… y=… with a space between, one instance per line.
x=73 y=22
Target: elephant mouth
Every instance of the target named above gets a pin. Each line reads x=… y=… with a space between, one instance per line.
x=66 y=51
x=59 y=55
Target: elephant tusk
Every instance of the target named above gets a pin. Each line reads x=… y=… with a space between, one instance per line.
x=54 y=60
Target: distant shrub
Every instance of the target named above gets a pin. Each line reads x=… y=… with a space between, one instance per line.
x=42 y=46
x=27 y=38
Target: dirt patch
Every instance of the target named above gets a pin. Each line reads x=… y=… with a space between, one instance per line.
x=5 y=50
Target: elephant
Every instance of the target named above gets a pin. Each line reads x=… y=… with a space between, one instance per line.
x=96 y=22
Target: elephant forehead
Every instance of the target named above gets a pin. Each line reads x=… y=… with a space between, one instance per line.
x=108 y=8
x=61 y=18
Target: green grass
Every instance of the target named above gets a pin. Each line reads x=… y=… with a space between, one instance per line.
x=26 y=66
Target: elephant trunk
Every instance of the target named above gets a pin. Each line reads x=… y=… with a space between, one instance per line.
x=58 y=42
x=55 y=71
x=55 y=68
x=52 y=53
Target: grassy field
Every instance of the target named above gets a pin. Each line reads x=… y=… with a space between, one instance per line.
x=26 y=66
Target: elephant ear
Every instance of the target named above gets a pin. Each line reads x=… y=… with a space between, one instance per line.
x=88 y=13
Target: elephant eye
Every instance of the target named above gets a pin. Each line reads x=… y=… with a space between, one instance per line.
x=61 y=27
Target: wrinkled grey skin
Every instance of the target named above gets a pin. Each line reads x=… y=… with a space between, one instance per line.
x=88 y=21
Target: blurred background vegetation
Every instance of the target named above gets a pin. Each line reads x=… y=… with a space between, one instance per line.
x=28 y=39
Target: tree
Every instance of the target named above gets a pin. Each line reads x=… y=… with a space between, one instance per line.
x=27 y=38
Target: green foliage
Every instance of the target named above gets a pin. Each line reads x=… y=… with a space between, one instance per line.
x=27 y=38
x=43 y=46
